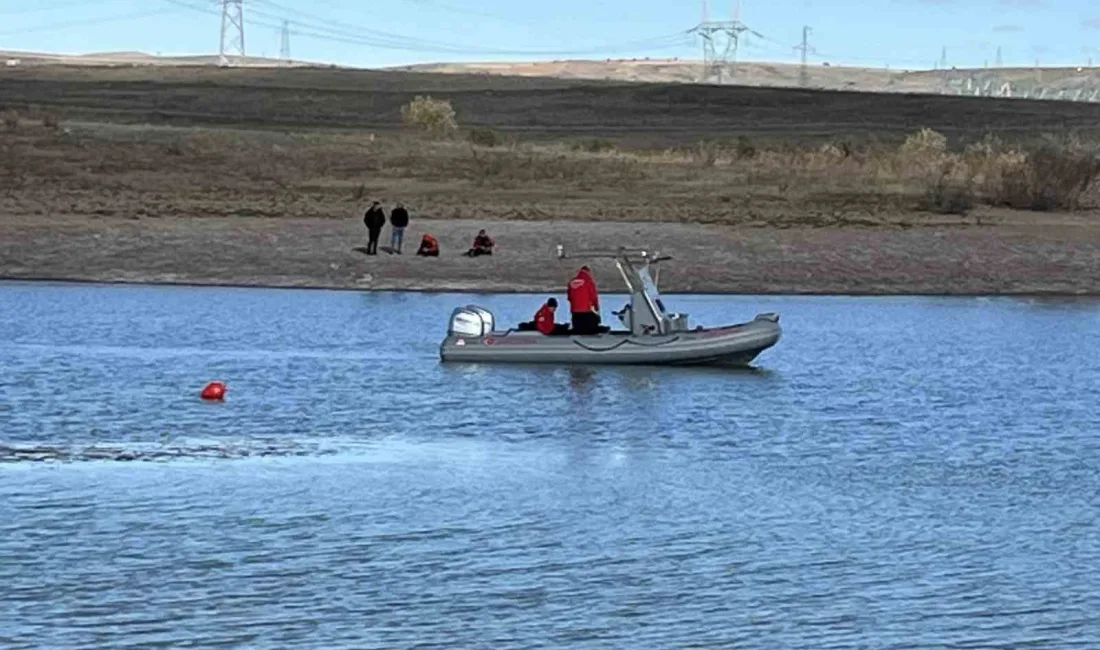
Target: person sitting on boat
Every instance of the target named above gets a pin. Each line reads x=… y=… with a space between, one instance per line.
x=483 y=245
x=429 y=247
x=544 y=319
x=584 y=303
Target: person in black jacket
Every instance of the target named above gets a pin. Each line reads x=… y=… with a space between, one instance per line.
x=374 y=219
x=399 y=220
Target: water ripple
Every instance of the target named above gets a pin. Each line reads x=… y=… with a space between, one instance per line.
x=880 y=483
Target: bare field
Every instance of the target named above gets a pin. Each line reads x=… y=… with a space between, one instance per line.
x=632 y=114
x=260 y=176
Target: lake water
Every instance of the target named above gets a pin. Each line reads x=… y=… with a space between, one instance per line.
x=897 y=473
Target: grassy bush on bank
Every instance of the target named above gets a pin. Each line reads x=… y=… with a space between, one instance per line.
x=1054 y=175
x=121 y=170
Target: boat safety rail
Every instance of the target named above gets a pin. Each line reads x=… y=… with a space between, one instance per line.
x=639 y=254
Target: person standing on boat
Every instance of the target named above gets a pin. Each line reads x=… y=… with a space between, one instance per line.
x=584 y=303
x=399 y=220
x=374 y=219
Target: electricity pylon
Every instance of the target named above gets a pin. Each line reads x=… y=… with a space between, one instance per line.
x=232 y=37
x=803 y=71
x=721 y=40
x=284 y=42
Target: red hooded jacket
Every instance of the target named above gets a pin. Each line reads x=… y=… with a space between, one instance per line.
x=544 y=319
x=582 y=293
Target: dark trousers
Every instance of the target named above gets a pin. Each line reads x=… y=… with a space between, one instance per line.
x=372 y=241
x=585 y=322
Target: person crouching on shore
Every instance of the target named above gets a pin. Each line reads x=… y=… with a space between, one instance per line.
x=483 y=245
x=429 y=247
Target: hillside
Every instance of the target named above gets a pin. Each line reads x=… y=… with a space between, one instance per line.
x=627 y=113
x=1055 y=82
x=828 y=77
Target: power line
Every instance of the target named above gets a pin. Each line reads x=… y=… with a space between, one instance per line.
x=471 y=12
x=40 y=7
x=315 y=27
x=88 y=22
x=322 y=27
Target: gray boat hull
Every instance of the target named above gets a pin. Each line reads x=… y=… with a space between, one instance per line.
x=733 y=345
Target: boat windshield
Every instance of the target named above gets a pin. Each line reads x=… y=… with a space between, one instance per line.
x=651 y=289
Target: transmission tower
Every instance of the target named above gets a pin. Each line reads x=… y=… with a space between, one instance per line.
x=284 y=42
x=1000 y=61
x=721 y=40
x=805 y=49
x=232 y=38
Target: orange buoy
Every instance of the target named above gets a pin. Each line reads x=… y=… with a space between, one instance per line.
x=213 y=391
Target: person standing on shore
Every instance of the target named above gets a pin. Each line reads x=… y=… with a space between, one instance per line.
x=374 y=219
x=399 y=220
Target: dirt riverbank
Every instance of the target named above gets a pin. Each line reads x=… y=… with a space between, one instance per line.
x=1050 y=254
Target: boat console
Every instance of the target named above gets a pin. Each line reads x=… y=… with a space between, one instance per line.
x=645 y=313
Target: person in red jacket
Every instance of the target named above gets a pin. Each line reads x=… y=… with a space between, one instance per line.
x=584 y=303
x=483 y=245
x=544 y=319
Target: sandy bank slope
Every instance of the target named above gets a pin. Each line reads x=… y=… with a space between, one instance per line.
x=320 y=253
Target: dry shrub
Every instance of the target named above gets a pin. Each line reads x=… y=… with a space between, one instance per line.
x=11 y=120
x=989 y=161
x=745 y=148
x=705 y=153
x=1052 y=177
x=483 y=137
x=950 y=190
x=51 y=121
x=595 y=145
x=539 y=166
x=923 y=155
x=434 y=116
x=945 y=180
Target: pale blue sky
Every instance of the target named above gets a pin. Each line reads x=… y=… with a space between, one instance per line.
x=902 y=33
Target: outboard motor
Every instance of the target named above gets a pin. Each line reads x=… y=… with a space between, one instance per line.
x=471 y=320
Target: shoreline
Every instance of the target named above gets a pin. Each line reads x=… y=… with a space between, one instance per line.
x=1034 y=256
x=528 y=291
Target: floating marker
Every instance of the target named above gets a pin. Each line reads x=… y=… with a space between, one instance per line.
x=214 y=391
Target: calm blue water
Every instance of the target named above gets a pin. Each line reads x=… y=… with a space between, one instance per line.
x=898 y=473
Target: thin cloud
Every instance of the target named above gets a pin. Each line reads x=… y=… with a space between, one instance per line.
x=1092 y=23
x=1008 y=29
x=1021 y=3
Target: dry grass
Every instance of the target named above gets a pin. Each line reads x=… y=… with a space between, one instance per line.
x=10 y=120
x=160 y=171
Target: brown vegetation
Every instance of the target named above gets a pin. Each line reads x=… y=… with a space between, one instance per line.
x=86 y=155
x=122 y=170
